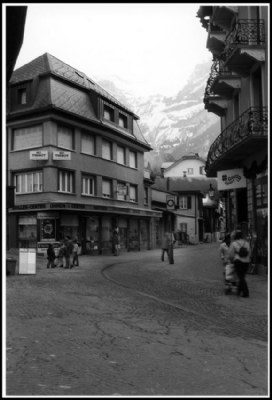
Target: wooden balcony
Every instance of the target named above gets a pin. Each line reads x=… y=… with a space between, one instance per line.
x=245 y=46
x=243 y=137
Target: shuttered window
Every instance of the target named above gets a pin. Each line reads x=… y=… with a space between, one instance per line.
x=87 y=144
x=106 y=150
x=65 y=137
x=25 y=138
x=106 y=188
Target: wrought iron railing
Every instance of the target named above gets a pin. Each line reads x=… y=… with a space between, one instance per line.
x=247 y=32
x=217 y=70
x=253 y=122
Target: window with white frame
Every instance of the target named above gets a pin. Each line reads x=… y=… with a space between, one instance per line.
x=87 y=144
x=106 y=149
x=24 y=138
x=28 y=182
x=121 y=158
x=123 y=121
x=108 y=113
x=106 y=188
x=133 y=159
x=133 y=193
x=185 y=202
x=65 y=137
x=66 y=181
x=190 y=171
x=88 y=185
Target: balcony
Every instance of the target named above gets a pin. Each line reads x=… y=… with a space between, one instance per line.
x=223 y=16
x=216 y=39
x=213 y=102
x=243 y=137
x=223 y=82
x=245 y=45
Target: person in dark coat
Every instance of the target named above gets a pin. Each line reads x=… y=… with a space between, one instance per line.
x=51 y=256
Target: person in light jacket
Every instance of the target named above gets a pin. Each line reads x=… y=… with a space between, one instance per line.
x=241 y=262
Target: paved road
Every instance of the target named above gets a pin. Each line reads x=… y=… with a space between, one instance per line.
x=134 y=326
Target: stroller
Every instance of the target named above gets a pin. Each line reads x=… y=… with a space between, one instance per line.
x=230 y=279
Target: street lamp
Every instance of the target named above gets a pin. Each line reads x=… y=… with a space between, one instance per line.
x=211 y=191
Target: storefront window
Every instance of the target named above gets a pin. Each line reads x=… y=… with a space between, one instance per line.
x=69 y=225
x=27 y=232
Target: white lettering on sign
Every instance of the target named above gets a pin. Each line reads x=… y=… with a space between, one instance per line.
x=61 y=155
x=231 y=179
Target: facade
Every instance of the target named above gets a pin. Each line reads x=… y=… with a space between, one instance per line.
x=237 y=91
x=190 y=165
x=187 y=217
x=76 y=161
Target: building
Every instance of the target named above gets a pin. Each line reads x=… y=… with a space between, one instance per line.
x=190 y=165
x=76 y=160
x=237 y=91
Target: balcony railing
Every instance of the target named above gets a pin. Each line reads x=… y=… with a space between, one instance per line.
x=253 y=122
x=247 y=32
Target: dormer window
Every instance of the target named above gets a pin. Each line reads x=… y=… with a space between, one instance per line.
x=22 y=96
x=108 y=113
x=123 y=121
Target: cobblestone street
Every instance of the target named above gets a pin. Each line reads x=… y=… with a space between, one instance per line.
x=136 y=326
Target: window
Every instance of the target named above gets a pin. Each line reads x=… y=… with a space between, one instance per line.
x=65 y=137
x=88 y=183
x=87 y=144
x=123 y=121
x=108 y=113
x=185 y=202
x=190 y=171
x=132 y=159
x=261 y=192
x=133 y=193
x=145 y=195
x=106 y=188
x=202 y=170
x=121 y=190
x=121 y=155
x=22 y=96
x=24 y=138
x=66 y=181
x=28 y=182
x=106 y=150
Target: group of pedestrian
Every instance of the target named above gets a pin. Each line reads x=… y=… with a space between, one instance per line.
x=67 y=256
x=235 y=253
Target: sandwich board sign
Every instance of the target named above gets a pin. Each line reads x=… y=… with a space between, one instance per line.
x=27 y=261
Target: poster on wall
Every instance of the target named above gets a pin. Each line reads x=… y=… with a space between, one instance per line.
x=27 y=261
x=48 y=229
x=231 y=179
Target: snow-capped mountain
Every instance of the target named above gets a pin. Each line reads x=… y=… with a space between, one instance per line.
x=174 y=126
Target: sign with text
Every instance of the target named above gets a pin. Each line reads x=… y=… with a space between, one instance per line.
x=27 y=261
x=61 y=155
x=121 y=189
x=231 y=179
x=39 y=155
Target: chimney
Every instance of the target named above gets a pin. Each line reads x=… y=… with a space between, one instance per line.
x=167 y=183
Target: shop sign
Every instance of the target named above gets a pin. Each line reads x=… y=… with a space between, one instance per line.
x=61 y=155
x=27 y=261
x=39 y=155
x=170 y=202
x=48 y=228
x=28 y=206
x=231 y=179
x=49 y=214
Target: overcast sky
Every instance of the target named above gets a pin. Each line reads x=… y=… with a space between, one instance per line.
x=152 y=47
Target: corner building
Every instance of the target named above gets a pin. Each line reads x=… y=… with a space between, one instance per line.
x=75 y=157
x=237 y=91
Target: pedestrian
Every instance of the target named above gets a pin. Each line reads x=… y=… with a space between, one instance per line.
x=62 y=254
x=229 y=270
x=51 y=256
x=69 y=252
x=75 y=253
x=224 y=249
x=168 y=242
x=116 y=242
x=239 y=254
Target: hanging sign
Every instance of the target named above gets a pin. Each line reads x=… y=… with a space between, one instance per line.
x=61 y=155
x=231 y=179
x=121 y=189
x=38 y=155
x=170 y=202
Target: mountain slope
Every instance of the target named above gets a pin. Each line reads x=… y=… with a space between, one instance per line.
x=174 y=126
